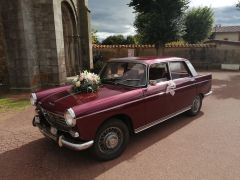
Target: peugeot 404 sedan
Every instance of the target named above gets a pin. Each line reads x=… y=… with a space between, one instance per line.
x=135 y=94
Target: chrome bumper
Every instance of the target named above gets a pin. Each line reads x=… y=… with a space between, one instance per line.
x=61 y=140
x=208 y=94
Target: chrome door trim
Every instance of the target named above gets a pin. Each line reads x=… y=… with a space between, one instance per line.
x=140 y=129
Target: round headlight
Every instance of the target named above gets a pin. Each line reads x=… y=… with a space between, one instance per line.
x=70 y=118
x=33 y=99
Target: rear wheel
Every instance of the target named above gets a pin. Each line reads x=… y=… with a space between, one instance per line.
x=111 y=140
x=196 y=106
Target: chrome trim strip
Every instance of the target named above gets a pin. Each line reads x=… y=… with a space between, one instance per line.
x=208 y=94
x=121 y=105
x=144 y=98
x=192 y=84
x=52 y=113
x=140 y=129
x=77 y=147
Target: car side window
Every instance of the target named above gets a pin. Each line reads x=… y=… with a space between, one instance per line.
x=179 y=70
x=159 y=72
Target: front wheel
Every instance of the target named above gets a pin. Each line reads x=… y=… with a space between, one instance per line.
x=196 y=106
x=111 y=140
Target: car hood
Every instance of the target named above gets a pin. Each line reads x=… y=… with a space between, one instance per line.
x=61 y=101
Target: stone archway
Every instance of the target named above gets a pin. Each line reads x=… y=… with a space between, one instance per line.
x=70 y=42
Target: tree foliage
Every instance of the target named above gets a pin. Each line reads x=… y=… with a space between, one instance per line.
x=159 y=22
x=94 y=37
x=238 y=4
x=198 y=24
x=119 y=40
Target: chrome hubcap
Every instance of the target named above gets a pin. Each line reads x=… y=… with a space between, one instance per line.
x=196 y=104
x=110 y=139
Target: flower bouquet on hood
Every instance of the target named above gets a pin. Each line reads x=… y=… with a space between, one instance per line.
x=87 y=83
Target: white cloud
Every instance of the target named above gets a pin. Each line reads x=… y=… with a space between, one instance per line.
x=113 y=17
x=213 y=3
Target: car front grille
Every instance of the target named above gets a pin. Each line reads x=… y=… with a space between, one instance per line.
x=55 y=120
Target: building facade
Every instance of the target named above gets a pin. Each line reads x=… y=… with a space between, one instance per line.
x=227 y=33
x=43 y=41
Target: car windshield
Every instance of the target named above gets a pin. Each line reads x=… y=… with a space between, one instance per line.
x=124 y=73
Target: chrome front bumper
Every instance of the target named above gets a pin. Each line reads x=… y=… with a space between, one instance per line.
x=208 y=94
x=61 y=140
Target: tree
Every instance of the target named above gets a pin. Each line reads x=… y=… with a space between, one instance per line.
x=94 y=37
x=159 y=22
x=198 y=24
x=118 y=40
x=130 y=40
x=238 y=4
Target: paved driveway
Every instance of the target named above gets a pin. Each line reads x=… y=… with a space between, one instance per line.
x=203 y=147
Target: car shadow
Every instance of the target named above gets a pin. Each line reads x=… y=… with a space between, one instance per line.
x=42 y=159
x=223 y=89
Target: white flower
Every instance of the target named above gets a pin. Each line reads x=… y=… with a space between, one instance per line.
x=76 y=79
x=78 y=84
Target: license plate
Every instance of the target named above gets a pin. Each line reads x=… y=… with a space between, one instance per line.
x=54 y=131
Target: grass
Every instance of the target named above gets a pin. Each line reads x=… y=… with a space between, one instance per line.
x=13 y=104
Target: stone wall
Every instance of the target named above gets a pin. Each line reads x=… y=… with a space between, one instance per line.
x=20 y=43
x=202 y=56
x=3 y=65
x=35 y=43
x=46 y=43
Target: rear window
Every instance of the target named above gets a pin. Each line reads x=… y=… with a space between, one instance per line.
x=179 y=70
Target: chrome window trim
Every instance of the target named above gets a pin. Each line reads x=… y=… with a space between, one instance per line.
x=151 y=124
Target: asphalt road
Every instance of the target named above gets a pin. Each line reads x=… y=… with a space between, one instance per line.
x=203 y=147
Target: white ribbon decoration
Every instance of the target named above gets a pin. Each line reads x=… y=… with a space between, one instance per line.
x=171 y=88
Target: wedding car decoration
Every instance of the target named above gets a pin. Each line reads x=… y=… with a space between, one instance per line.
x=171 y=88
x=86 y=82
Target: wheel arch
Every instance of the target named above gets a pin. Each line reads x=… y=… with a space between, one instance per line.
x=122 y=117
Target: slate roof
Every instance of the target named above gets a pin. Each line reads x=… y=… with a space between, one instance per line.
x=226 y=29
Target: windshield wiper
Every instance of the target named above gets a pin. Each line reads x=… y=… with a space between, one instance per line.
x=109 y=80
x=124 y=80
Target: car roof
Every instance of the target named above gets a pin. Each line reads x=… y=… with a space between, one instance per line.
x=147 y=60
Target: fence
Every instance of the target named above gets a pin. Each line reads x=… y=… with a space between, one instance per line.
x=203 y=56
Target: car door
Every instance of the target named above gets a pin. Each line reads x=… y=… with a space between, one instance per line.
x=157 y=106
x=185 y=88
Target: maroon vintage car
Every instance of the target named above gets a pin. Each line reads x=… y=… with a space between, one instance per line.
x=136 y=94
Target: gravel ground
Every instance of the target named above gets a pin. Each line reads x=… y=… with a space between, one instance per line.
x=202 y=147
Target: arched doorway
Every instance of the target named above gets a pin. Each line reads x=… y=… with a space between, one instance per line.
x=70 y=41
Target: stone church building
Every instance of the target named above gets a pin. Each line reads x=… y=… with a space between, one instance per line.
x=43 y=41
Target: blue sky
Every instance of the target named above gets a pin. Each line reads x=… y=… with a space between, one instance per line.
x=110 y=17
